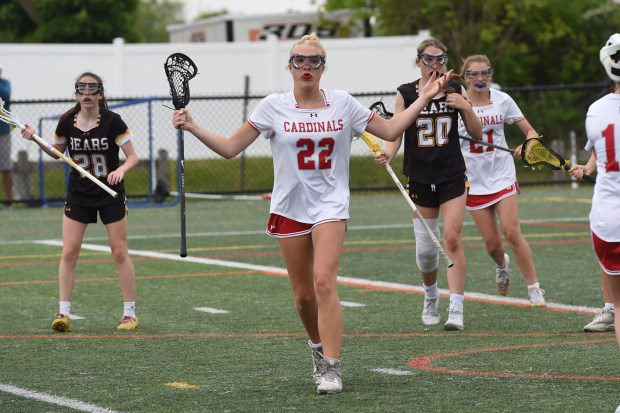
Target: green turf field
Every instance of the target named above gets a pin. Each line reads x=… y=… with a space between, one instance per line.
x=509 y=358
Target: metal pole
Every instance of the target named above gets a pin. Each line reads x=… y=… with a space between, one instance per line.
x=246 y=99
x=573 y=156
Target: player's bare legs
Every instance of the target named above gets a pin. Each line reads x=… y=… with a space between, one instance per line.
x=613 y=281
x=486 y=222
x=72 y=236
x=508 y=211
x=453 y=212
x=327 y=240
x=117 y=235
x=298 y=257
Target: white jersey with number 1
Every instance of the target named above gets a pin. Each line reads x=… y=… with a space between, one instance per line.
x=603 y=129
x=490 y=170
x=311 y=151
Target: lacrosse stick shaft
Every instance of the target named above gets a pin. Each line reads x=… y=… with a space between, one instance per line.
x=374 y=147
x=183 y=252
x=419 y=215
x=501 y=148
x=70 y=161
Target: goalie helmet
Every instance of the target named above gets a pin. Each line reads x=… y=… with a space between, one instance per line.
x=610 y=57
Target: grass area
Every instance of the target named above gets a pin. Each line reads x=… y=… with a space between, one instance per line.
x=254 y=358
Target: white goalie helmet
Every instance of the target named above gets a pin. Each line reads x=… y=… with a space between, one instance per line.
x=610 y=57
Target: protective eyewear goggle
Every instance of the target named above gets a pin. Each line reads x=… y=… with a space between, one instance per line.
x=90 y=88
x=315 y=61
x=427 y=59
x=472 y=74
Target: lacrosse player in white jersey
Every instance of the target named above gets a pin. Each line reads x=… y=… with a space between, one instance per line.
x=603 y=130
x=492 y=177
x=310 y=132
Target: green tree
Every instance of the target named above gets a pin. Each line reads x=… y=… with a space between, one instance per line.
x=153 y=16
x=69 y=21
x=528 y=41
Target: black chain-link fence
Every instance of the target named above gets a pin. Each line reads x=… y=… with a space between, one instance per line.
x=554 y=111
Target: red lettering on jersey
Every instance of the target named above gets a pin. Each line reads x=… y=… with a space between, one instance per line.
x=340 y=124
x=329 y=127
x=320 y=127
x=302 y=128
x=294 y=127
x=287 y=126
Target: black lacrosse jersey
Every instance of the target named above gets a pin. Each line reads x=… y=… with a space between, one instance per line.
x=96 y=151
x=432 y=149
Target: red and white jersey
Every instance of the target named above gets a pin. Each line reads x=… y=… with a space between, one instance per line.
x=311 y=151
x=490 y=170
x=603 y=130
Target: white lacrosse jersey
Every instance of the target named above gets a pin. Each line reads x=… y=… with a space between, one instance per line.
x=311 y=151
x=603 y=130
x=490 y=170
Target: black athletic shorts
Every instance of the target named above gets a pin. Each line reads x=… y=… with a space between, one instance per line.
x=88 y=215
x=433 y=195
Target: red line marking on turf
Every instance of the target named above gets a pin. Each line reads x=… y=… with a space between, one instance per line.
x=423 y=363
x=142 y=277
x=275 y=335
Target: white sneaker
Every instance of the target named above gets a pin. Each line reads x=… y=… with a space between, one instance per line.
x=430 y=313
x=455 y=321
x=331 y=380
x=502 y=277
x=537 y=297
x=604 y=321
x=318 y=364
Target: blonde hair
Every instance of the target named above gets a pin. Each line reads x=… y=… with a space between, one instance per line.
x=313 y=40
x=475 y=58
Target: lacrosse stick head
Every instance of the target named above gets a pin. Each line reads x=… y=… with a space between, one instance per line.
x=379 y=109
x=534 y=152
x=179 y=70
x=7 y=117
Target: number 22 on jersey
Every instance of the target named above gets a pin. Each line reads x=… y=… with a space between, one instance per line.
x=304 y=156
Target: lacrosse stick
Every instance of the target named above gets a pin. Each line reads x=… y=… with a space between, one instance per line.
x=11 y=119
x=179 y=70
x=492 y=145
x=536 y=153
x=375 y=147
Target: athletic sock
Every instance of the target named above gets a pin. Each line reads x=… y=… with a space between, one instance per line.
x=314 y=346
x=430 y=291
x=129 y=309
x=64 y=308
x=534 y=285
x=456 y=302
x=610 y=306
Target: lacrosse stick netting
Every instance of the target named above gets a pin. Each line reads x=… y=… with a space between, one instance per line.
x=536 y=153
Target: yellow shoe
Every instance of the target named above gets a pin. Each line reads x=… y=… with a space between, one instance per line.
x=62 y=323
x=128 y=323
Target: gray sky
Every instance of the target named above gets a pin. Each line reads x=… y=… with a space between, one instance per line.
x=195 y=7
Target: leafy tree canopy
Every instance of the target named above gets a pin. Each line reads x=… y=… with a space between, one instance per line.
x=527 y=41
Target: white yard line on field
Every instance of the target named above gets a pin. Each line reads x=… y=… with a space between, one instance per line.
x=395 y=372
x=58 y=400
x=358 y=282
x=351 y=304
x=210 y=310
